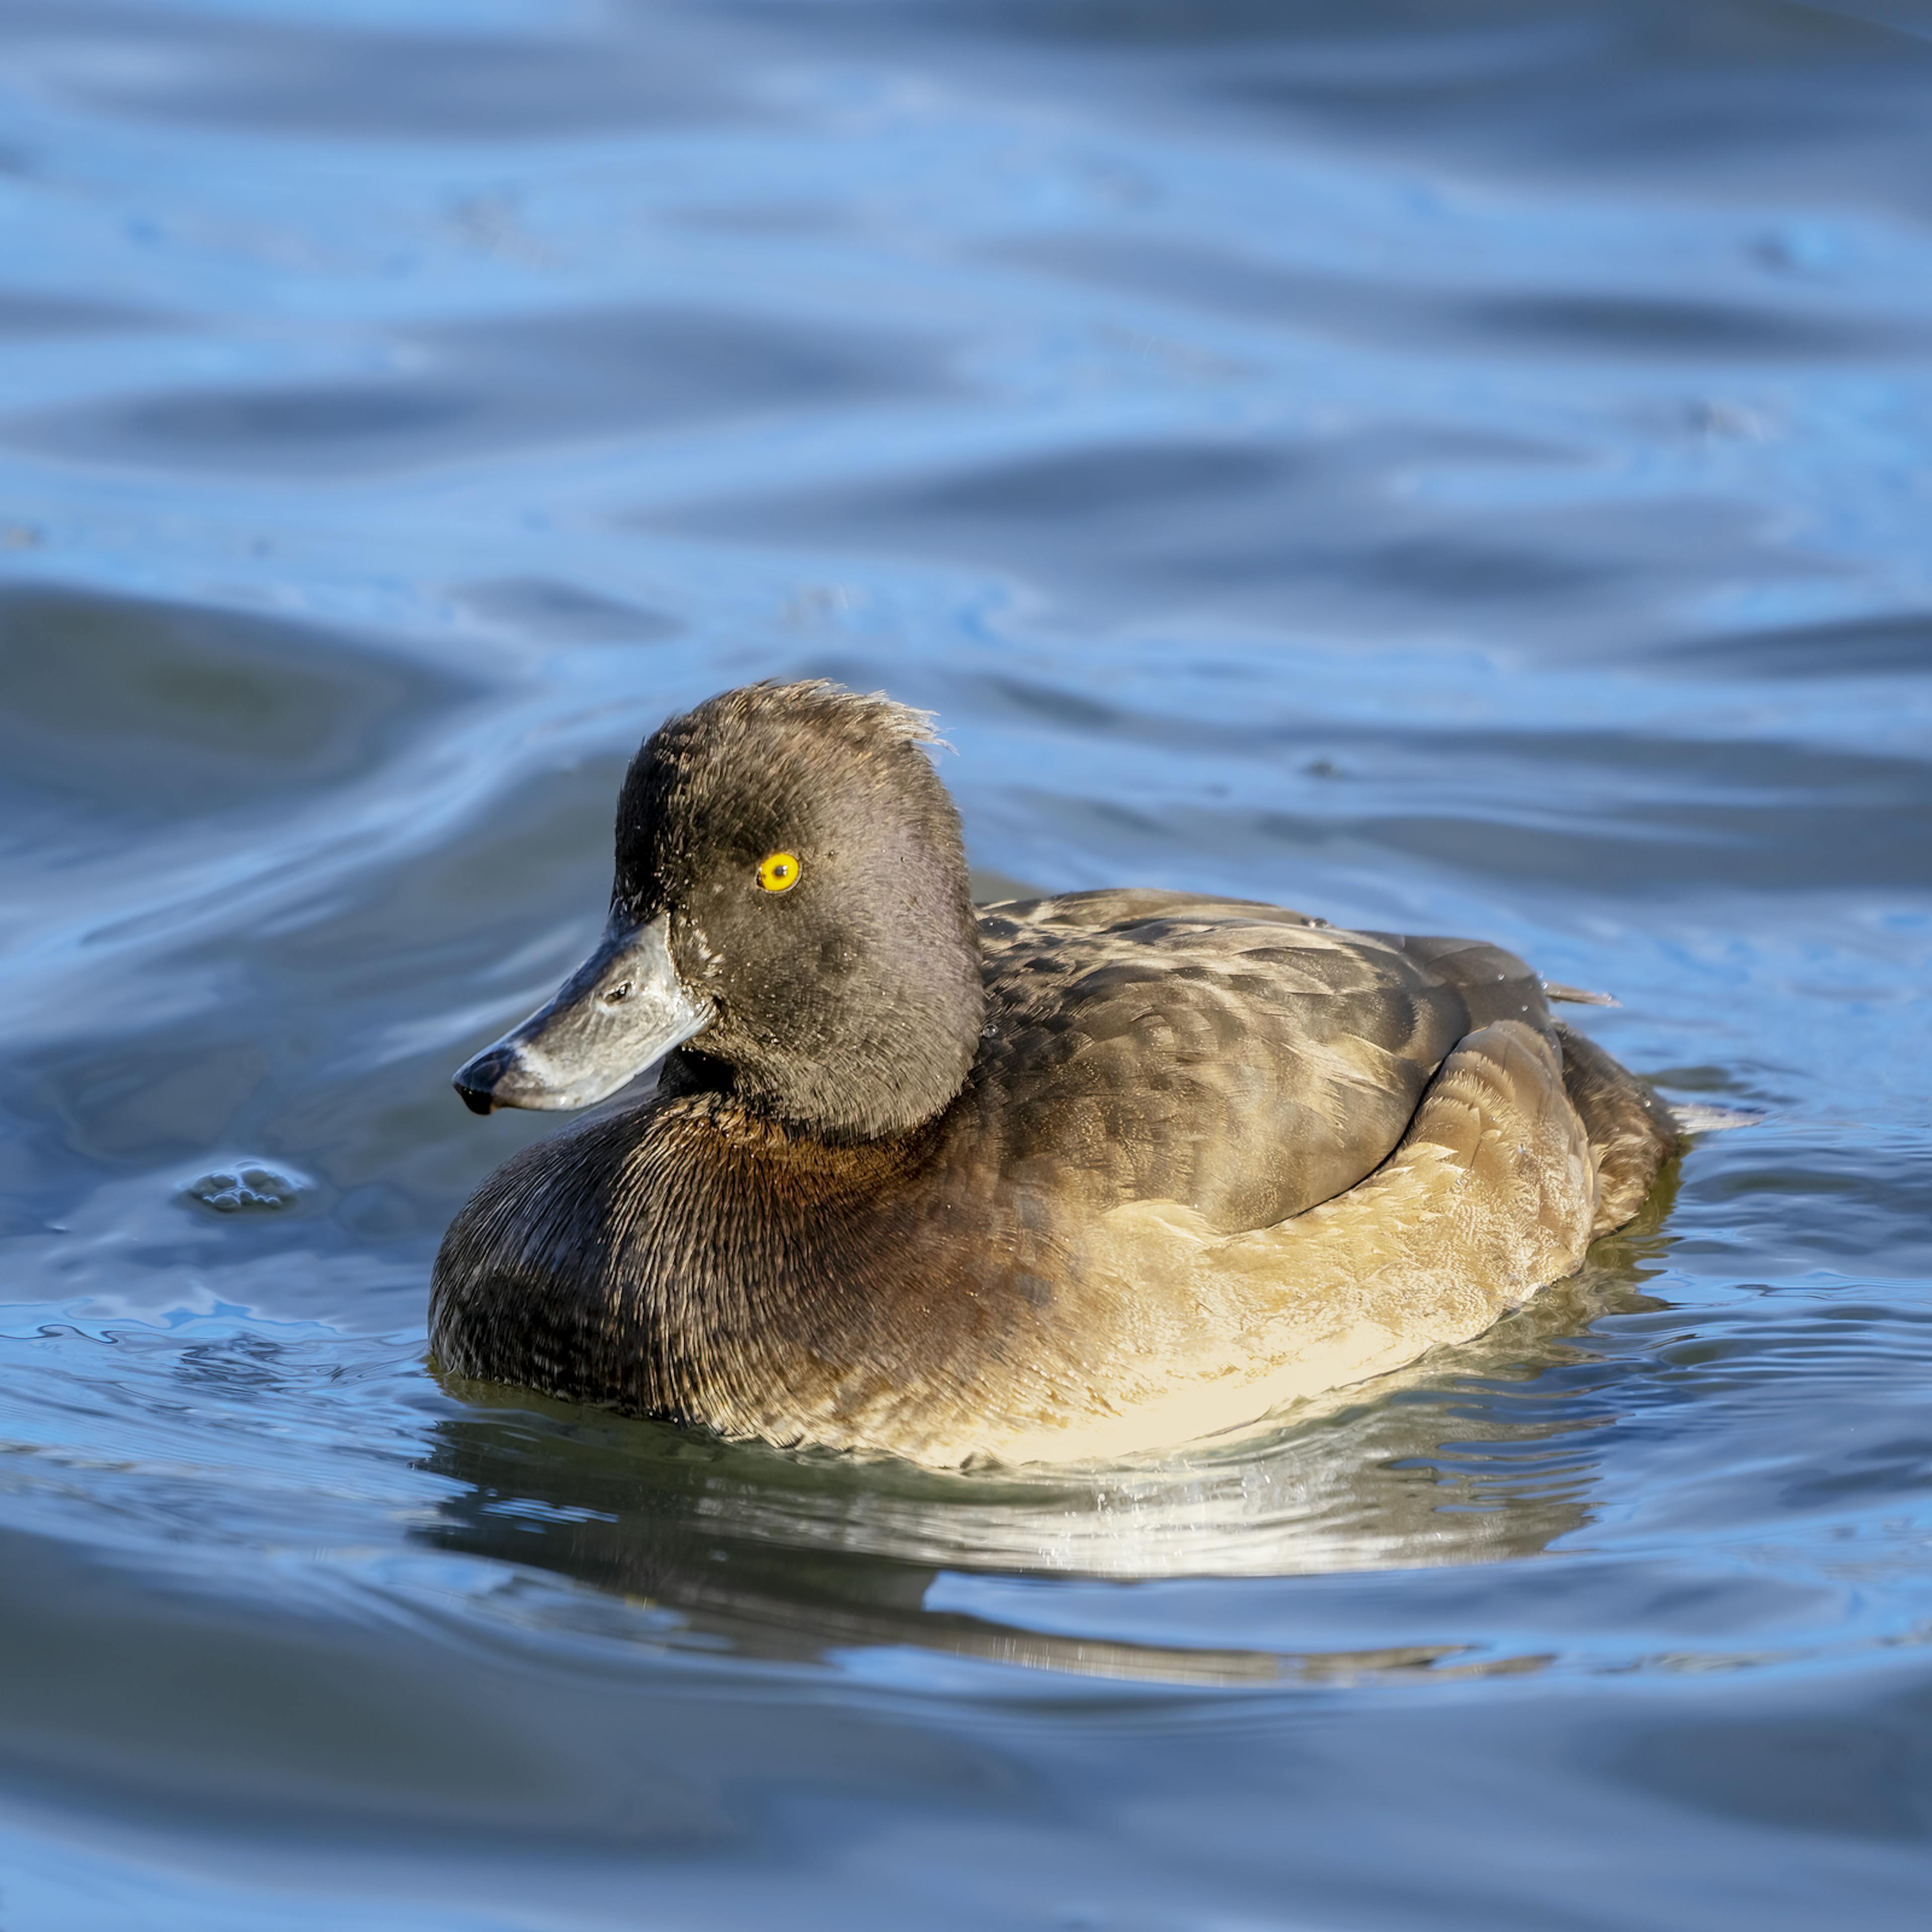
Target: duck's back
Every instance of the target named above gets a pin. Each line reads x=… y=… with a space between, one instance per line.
x=1242 y=1060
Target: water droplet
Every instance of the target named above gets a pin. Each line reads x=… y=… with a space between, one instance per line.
x=246 y=1186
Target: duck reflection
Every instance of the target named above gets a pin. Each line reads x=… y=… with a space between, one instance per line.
x=1481 y=1454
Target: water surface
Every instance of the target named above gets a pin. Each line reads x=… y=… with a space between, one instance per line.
x=1460 y=471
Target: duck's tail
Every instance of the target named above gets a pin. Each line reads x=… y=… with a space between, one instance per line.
x=1578 y=996
x=1697 y=1117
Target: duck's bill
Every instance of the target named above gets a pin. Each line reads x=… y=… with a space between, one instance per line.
x=619 y=1014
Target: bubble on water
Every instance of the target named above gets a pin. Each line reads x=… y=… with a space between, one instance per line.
x=247 y=1186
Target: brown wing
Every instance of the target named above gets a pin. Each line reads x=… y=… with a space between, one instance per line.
x=1243 y=1060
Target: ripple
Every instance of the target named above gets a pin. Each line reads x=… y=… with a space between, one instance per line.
x=513 y=383
x=1452 y=473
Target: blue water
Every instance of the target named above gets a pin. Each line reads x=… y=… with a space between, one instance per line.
x=1458 y=470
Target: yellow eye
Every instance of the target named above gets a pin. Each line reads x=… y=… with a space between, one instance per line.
x=779 y=872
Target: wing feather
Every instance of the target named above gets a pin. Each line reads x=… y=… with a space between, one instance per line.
x=1242 y=1059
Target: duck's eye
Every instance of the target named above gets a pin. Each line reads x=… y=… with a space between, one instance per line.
x=613 y=995
x=779 y=872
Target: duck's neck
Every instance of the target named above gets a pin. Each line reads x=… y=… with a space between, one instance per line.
x=882 y=1062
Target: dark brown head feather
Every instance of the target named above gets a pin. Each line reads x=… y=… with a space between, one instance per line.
x=851 y=1003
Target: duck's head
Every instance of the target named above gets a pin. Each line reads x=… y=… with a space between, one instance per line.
x=791 y=899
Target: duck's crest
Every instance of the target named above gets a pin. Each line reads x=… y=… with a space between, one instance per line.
x=871 y=711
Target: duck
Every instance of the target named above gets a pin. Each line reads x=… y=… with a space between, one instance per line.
x=1049 y=1181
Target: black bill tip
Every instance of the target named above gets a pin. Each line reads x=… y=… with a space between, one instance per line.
x=476 y=1079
